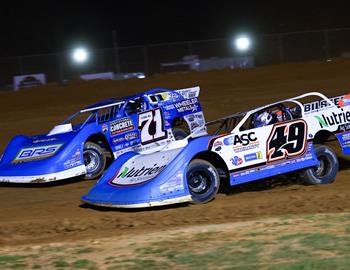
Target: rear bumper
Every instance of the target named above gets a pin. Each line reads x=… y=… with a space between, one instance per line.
x=76 y=171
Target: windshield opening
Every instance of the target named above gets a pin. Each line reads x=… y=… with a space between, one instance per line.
x=224 y=125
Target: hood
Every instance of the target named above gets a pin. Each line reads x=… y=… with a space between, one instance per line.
x=39 y=155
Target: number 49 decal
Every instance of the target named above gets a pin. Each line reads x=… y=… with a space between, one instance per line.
x=287 y=140
x=151 y=126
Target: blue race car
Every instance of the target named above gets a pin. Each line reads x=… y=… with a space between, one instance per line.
x=277 y=138
x=82 y=144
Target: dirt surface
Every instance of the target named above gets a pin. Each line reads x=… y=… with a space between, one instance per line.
x=287 y=242
x=54 y=213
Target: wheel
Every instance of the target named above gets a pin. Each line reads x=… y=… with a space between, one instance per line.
x=179 y=134
x=203 y=181
x=94 y=160
x=326 y=171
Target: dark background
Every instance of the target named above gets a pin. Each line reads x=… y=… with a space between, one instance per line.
x=37 y=27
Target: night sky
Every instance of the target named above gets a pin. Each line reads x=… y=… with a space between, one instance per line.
x=50 y=26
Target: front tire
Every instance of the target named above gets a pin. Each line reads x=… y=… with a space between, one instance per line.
x=94 y=160
x=326 y=171
x=203 y=181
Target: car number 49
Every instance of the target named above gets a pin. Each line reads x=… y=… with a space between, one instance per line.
x=287 y=140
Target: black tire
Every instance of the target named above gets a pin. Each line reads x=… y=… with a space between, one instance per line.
x=326 y=172
x=203 y=181
x=179 y=134
x=94 y=160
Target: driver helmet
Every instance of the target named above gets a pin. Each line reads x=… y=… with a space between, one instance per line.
x=263 y=119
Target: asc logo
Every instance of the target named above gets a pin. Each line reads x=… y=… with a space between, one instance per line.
x=35 y=153
x=243 y=139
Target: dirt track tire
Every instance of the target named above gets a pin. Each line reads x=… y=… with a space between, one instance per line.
x=94 y=160
x=179 y=134
x=326 y=172
x=203 y=181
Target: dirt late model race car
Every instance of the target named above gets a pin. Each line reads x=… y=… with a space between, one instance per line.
x=103 y=130
x=245 y=147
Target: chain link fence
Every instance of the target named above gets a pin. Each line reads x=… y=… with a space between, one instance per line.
x=266 y=50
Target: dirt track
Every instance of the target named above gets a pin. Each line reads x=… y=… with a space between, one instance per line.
x=54 y=213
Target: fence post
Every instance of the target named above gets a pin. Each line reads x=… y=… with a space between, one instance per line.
x=190 y=48
x=102 y=60
x=20 y=65
x=280 y=48
x=116 y=52
x=145 y=61
x=60 y=68
x=326 y=43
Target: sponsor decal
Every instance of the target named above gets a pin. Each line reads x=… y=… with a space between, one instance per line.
x=346 y=137
x=169 y=107
x=31 y=80
x=194 y=125
x=167 y=115
x=241 y=139
x=137 y=175
x=253 y=156
x=344 y=127
x=190 y=117
x=141 y=168
x=74 y=161
x=321 y=104
x=345 y=101
x=36 y=153
x=44 y=140
x=104 y=128
x=199 y=115
x=184 y=106
x=174 y=184
x=131 y=136
x=118 y=140
x=333 y=119
x=236 y=161
x=121 y=125
x=217 y=145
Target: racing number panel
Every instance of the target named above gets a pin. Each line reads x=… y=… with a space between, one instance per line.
x=151 y=126
x=287 y=140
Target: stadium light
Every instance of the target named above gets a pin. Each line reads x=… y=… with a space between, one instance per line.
x=80 y=55
x=242 y=43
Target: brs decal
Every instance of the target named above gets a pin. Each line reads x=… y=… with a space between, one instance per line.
x=35 y=153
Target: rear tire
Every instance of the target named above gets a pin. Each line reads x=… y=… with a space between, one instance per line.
x=94 y=160
x=203 y=181
x=324 y=173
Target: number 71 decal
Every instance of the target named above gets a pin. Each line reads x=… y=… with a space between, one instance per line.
x=151 y=126
x=287 y=140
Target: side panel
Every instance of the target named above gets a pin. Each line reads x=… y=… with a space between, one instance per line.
x=266 y=151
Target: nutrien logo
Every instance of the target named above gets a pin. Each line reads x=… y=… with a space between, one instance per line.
x=333 y=119
x=143 y=172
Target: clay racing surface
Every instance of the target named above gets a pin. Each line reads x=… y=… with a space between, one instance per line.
x=54 y=213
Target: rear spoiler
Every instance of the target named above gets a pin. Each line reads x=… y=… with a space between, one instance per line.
x=187 y=93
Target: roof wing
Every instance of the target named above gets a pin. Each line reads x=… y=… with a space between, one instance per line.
x=102 y=107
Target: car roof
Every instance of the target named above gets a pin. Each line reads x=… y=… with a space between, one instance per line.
x=110 y=101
